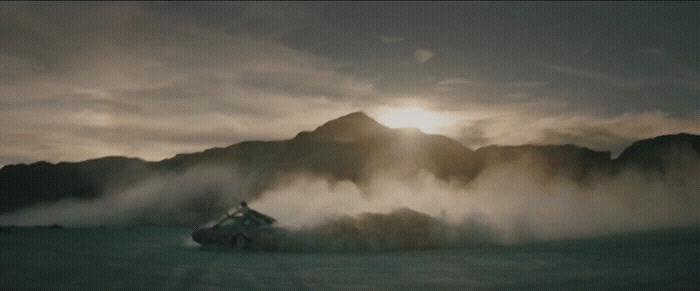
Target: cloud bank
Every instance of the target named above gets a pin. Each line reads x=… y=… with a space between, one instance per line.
x=151 y=80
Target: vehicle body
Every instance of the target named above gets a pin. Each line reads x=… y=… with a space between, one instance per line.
x=237 y=232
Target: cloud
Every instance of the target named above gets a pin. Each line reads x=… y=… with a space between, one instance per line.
x=528 y=84
x=15 y=67
x=626 y=81
x=653 y=51
x=269 y=20
x=142 y=83
x=391 y=39
x=599 y=76
x=422 y=55
x=454 y=81
x=450 y=84
x=530 y=124
x=79 y=81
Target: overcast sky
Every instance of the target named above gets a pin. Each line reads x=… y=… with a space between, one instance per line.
x=150 y=80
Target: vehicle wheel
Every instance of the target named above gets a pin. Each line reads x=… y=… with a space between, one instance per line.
x=239 y=241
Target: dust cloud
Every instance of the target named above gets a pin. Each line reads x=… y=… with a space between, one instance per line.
x=198 y=194
x=503 y=205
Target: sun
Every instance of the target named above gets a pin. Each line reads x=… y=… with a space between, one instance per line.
x=426 y=121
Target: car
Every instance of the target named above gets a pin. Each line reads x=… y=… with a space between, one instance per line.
x=239 y=233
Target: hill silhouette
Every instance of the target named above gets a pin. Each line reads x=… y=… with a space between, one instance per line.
x=353 y=147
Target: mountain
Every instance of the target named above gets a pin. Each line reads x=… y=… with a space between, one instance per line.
x=353 y=147
x=661 y=153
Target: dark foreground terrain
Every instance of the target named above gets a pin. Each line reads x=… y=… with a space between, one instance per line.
x=165 y=258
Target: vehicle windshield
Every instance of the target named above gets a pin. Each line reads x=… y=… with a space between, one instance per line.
x=237 y=221
x=230 y=221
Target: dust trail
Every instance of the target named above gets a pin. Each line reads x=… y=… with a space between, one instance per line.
x=387 y=211
x=185 y=198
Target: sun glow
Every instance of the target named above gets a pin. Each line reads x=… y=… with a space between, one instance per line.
x=426 y=121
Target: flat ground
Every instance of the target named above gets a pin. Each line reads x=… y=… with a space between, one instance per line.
x=165 y=258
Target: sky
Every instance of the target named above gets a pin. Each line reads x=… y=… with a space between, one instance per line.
x=84 y=80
